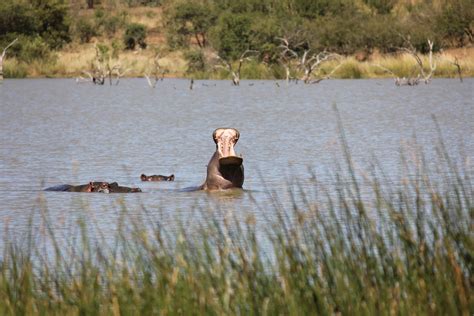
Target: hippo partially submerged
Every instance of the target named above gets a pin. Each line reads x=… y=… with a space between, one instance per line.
x=159 y=177
x=97 y=187
x=225 y=169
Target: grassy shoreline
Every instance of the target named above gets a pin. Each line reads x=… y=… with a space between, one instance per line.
x=70 y=63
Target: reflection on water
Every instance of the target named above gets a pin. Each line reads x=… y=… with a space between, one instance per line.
x=55 y=132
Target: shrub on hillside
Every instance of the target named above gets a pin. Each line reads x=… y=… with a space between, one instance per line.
x=47 y=19
x=196 y=61
x=135 y=34
x=188 y=21
x=85 y=30
x=231 y=35
x=31 y=48
x=107 y=23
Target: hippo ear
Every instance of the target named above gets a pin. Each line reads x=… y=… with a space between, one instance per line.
x=237 y=135
x=214 y=136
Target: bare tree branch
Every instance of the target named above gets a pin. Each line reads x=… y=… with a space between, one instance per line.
x=410 y=49
x=306 y=64
x=2 y=57
x=157 y=73
x=225 y=64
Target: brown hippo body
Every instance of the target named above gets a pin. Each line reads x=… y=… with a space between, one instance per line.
x=114 y=187
x=225 y=169
x=94 y=187
x=89 y=187
x=159 y=177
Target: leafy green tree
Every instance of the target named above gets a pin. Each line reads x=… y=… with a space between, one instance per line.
x=107 y=23
x=17 y=18
x=53 y=22
x=196 y=61
x=189 y=19
x=232 y=34
x=456 y=22
x=264 y=32
x=135 y=34
x=85 y=30
x=40 y=25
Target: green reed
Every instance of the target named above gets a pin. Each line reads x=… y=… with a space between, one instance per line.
x=362 y=245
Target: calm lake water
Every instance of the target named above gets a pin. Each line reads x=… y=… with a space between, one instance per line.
x=54 y=131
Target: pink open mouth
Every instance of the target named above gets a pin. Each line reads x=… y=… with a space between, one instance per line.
x=225 y=139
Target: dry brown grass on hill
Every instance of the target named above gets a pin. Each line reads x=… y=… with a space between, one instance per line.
x=78 y=60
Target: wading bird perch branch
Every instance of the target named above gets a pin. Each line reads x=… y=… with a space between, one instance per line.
x=308 y=65
x=2 y=57
x=432 y=65
x=157 y=72
x=287 y=55
x=245 y=56
x=328 y=76
x=458 y=67
x=307 y=62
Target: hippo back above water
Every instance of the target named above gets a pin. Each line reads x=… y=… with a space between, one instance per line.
x=94 y=187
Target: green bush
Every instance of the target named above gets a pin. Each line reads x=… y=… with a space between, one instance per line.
x=85 y=30
x=107 y=23
x=135 y=34
x=231 y=35
x=188 y=20
x=196 y=61
x=456 y=22
x=47 y=19
x=31 y=48
x=35 y=49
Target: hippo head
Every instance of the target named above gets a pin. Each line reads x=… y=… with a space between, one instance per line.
x=100 y=187
x=225 y=139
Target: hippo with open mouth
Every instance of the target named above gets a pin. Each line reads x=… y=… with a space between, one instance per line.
x=225 y=169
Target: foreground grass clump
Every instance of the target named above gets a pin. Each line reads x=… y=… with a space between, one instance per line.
x=369 y=246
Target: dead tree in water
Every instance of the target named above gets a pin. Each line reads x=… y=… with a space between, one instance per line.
x=306 y=63
x=458 y=68
x=102 y=67
x=157 y=72
x=419 y=74
x=422 y=75
x=287 y=56
x=2 y=57
x=246 y=56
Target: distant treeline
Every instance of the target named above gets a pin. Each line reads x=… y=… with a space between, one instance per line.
x=230 y=27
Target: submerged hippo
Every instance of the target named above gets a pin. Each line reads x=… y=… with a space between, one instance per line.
x=115 y=188
x=225 y=170
x=89 y=187
x=159 y=177
x=98 y=187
